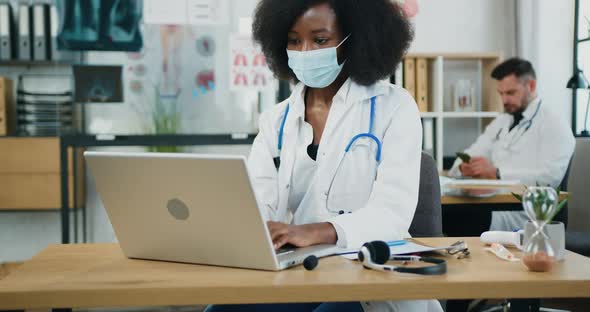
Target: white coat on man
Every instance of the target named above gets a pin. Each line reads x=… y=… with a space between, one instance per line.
x=535 y=152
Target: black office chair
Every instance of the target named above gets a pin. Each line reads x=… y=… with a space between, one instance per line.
x=562 y=215
x=427 y=220
x=579 y=241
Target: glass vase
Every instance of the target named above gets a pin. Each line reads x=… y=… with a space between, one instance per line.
x=539 y=204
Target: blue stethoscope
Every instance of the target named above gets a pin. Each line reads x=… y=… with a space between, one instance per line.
x=519 y=132
x=369 y=134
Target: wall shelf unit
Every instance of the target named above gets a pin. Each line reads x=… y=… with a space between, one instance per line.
x=447 y=130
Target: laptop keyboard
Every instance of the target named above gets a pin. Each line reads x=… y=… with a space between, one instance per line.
x=285 y=249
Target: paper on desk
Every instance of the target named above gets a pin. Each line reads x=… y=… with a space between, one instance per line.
x=407 y=248
x=449 y=181
x=445 y=180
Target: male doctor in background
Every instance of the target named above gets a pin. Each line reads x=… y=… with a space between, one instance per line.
x=529 y=142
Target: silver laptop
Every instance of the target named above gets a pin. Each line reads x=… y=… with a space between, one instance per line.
x=188 y=208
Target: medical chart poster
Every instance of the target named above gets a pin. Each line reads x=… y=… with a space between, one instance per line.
x=248 y=68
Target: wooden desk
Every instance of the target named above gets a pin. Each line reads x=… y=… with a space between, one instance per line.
x=98 y=275
x=503 y=195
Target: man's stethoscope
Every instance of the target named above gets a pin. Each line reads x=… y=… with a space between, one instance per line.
x=369 y=134
x=519 y=132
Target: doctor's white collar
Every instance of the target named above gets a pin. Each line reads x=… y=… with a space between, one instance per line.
x=350 y=92
x=531 y=108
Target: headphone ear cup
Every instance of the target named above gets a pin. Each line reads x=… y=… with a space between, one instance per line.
x=362 y=254
x=380 y=252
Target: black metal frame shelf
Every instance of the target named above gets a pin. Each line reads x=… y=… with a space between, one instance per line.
x=13 y=136
x=84 y=141
x=576 y=70
x=22 y=63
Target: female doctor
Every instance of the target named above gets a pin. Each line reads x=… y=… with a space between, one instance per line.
x=339 y=160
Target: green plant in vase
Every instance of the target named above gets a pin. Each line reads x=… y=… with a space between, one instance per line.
x=165 y=119
x=543 y=215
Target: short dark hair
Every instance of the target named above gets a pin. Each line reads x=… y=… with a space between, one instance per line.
x=380 y=35
x=521 y=68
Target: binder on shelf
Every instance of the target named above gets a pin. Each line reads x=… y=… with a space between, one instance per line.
x=24 y=32
x=422 y=84
x=398 y=76
x=410 y=76
x=40 y=23
x=7 y=109
x=6 y=44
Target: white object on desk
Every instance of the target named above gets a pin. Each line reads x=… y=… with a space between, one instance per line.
x=501 y=252
x=503 y=237
x=484 y=182
x=444 y=180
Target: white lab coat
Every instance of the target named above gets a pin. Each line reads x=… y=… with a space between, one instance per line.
x=378 y=200
x=539 y=155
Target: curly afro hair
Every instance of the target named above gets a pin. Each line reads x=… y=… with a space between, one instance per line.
x=380 y=35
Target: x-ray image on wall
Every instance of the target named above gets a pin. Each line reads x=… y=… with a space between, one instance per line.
x=106 y=25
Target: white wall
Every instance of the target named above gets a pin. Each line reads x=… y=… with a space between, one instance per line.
x=545 y=34
x=465 y=26
x=23 y=234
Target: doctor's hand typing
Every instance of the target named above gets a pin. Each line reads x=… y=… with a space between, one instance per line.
x=479 y=167
x=301 y=235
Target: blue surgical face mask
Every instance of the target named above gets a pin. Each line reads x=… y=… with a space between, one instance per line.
x=316 y=68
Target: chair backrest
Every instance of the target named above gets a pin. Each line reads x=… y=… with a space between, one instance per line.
x=427 y=220
x=562 y=216
x=578 y=211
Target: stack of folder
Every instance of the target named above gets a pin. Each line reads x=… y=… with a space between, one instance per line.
x=30 y=33
x=42 y=113
x=415 y=75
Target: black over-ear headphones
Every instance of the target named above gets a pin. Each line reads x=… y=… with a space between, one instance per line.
x=373 y=256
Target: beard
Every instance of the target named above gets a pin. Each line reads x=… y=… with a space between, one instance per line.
x=524 y=103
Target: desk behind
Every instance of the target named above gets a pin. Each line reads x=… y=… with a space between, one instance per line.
x=502 y=194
